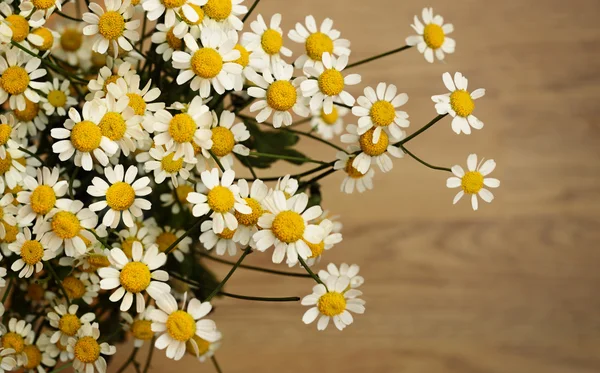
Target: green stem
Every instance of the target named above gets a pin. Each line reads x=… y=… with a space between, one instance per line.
x=250 y=10
x=301 y=121
x=421 y=130
x=254 y=268
x=310 y=272
x=67 y=16
x=129 y=360
x=32 y=154
x=247 y=163
x=99 y=239
x=286 y=157
x=423 y=162
x=216 y=160
x=65 y=366
x=187 y=233
x=58 y=282
x=216 y=364
x=7 y=291
x=342 y=105
x=150 y=353
x=317 y=178
x=260 y=299
x=49 y=64
x=377 y=57
x=247 y=251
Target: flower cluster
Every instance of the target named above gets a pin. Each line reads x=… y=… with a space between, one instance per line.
x=125 y=128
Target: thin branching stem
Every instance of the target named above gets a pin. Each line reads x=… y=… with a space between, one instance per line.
x=377 y=56
x=254 y=268
x=247 y=251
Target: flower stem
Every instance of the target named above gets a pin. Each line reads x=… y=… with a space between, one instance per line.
x=7 y=291
x=250 y=10
x=342 y=105
x=187 y=233
x=49 y=64
x=254 y=268
x=423 y=162
x=216 y=160
x=317 y=178
x=260 y=299
x=286 y=157
x=378 y=56
x=65 y=366
x=57 y=281
x=214 y=361
x=247 y=251
x=150 y=353
x=310 y=272
x=32 y=154
x=129 y=360
x=421 y=130
x=99 y=239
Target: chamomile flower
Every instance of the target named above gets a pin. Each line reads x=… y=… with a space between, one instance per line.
x=203 y=349
x=222 y=198
x=459 y=103
x=209 y=65
x=163 y=164
x=222 y=242
x=172 y=9
x=278 y=93
x=250 y=61
x=7 y=361
x=7 y=213
x=141 y=100
x=177 y=327
x=354 y=178
x=144 y=234
x=350 y=271
x=18 y=72
x=184 y=25
x=21 y=23
x=329 y=125
x=432 y=36
x=330 y=238
x=58 y=97
x=248 y=223
x=133 y=277
x=120 y=123
x=46 y=7
x=225 y=13
x=67 y=323
x=288 y=185
x=333 y=300
x=10 y=237
x=107 y=75
x=318 y=41
x=329 y=83
x=371 y=151
x=140 y=327
x=43 y=39
x=226 y=138
x=8 y=133
x=177 y=197
x=286 y=227
x=113 y=27
x=32 y=118
x=379 y=110
x=267 y=40
x=167 y=236
x=121 y=195
x=18 y=334
x=86 y=352
x=10 y=168
x=167 y=41
x=32 y=253
x=70 y=44
x=80 y=288
x=37 y=356
x=474 y=181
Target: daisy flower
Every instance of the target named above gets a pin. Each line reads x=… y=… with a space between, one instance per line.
x=21 y=23
x=225 y=13
x=167 y=41
x=141 y=100
x=177 y=197
x=18 y=72
x=209 y=65
x=350 y=271
x=318 y=41
x=286 y=227
x=172 y=9
x=43 y=39
x=58 y=97
x=83 y=138
x=184 y=25
x=114 y=27
x=329 y=83
x=205 y=349
x=7 y=213
x=10 y=237
x=144 y=234
x=223 y=242
x=250 y=61
x=163 y=165
x=379 y=110
x=45 y=7
x=354 y=178
x=140 y=327
x=39 y=197
x=177 y=327
x=32 y=254
x=330 y=238
x=121 y=195
x=107 y=75
x=70 y=41
x=167 y=236
x=371 y=151
x=254 y=197
x=32 y=118
x=18 y=334
x=288 y=185
x=474 y=181
x=7 y=361
x=266 y=40
x=133 y=277
x=329 y=125
x=78 y=287
x=226 y=138
x=459 y=103
x=86 y=352
x=222 y=198
x=120 y=123
x=432 y=36
x=67 y=323
x=333 y=300
x=11 y=170
x=8 y=133
x=278 y=93
x=38 y=356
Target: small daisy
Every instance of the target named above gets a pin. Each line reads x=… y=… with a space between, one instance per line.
x=177 y=327
x=7 y=361
x=329 y=83
x=203 y=350
x=46 y=7
x=330 y=125
x=371 y=151
x=286 y=227
x=222 y=198
x=18 y=72
x=11 y=170
x=223 y=242
x=432 y=37
x=330 y=238
x=70 y=44
x=21 y=23
x=114 y=28
x=354 y=178
x=226 y=138
x=379 y=110
x=144 y=234
x=10 y=237
x=121 y=195
x=32 y=253
x=141 y=100
x=350 y=271
x=177 y=197
x=209 y=65
x=167 y=41
x=267 y=40
x=318 y=41
x=172 y=9
x=120 y=123
x=333 y=300
x=85 y=351
x=31 y=163
x=250 y=61
x=67 y=322
x=32 y=119
x=107 y=75
x=474 y=181
x=58 y=351
x=225 y=13
x=133 y=277
x=184 y=25
x=288 y=185
x=79 y=288
x=58 y=97
x=7 y=214
x=167 y=236
x=38 y=356
x=278 y=93
x=43 y=39
x=37 y=294
x=8 y=133
x=247 y=223
x=163 y=165
x=459 y=103
x=18 y=334
x=140 y=327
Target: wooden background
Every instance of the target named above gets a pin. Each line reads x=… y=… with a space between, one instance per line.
x=510 y=288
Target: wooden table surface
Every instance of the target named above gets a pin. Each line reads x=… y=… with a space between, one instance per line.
x=510 y=288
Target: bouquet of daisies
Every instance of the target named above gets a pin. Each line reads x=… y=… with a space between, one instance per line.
x=134 y=135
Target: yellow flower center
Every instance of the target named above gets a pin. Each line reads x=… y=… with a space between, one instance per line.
x=182 y=128
x=141 y=329
x=14 y=80
x=271 y=41
x=113 y=126
x=5 y=131
x=244 y=59
x=316 y=249
x=32 y=252
x=135 y=277
x=218 y=9
x=206 y=63
x=47 y=36
x=351 y=171
x=69 y=324
x=330 y=118
x=57 y=98
x=35 y=292
x=86 y=136
x=43 y=4
x=169 y=165
x=281 y=95
x=65 y=225
x=137 y=103
x=317 y=44
x=111 y=79
x=382 y=113
x=164 y=240
x=11 y=233
x=462 y=103
x=288 y=226
x=5 y=164
x=366 y=143
x=74 y=287
x=220 y=199
x=223 y=141
x=198 y=11
x=181 y=326
x=19 y=26
x=331 y=82
x=227 y=233
x=14 y=341
x=34 y=356
x=251 y=219
x=182 y=191
x=31 y=111
x=332 y=303
x=120 y=196
x=472 y=182
x=170 y=4
x=86 y=350
x=98 y=261
x=1 y=213
x=71 y=40
x=174 y=42
x=111 y=25
x=127 y=246
x=433 y=36
x=203 y=346
x=135 y=2
x=42 y=199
